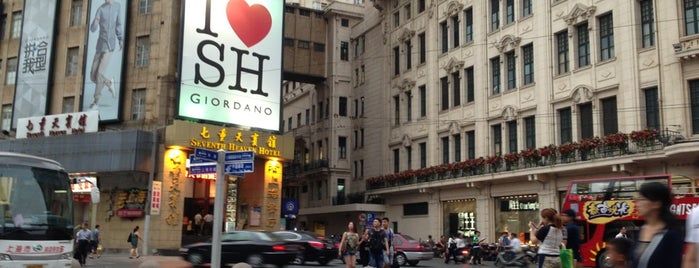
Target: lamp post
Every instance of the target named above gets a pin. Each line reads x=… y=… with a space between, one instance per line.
x=151 y=177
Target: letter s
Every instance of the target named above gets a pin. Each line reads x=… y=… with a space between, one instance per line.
x=200 y=52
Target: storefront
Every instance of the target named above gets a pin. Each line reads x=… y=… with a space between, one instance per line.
x=513 y=214
x=459 y=217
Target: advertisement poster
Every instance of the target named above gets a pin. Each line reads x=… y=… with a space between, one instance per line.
x=34 y=62
x=231 y=62
x=104 y=57
x=156 y=198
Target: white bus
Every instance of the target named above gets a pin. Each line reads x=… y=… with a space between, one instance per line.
x=36 y=209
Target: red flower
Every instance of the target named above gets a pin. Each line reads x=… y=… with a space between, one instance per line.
x=645 y=135
x=493 y=160
x=589 y=144
x=548 y=150
x=619 y=139
x=511 y=158
x=567 y=148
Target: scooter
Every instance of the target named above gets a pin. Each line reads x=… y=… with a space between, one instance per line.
x=462 y=255
x=519 y=259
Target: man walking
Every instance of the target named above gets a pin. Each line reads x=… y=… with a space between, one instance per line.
x=95 y=249
x=378 y=245
x=83 y=236
x=572 y=240
x=108 y=21
x=388 y=258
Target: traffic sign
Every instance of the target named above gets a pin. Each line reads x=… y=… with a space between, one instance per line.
x=238 y=167
x=198 y=170
x=240 y=156
x=206 y=154
x=196 y=161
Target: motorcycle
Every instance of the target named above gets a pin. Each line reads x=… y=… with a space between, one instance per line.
x=489 y=252
x=519 y=259
x=462 y=255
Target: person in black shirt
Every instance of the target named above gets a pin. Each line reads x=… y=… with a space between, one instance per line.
x=573 y=235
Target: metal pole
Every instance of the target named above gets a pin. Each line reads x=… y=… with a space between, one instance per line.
x=151 y=177
x=219 y=200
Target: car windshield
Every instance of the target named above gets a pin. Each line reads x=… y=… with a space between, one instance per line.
x=249 y=236
x=409 y=238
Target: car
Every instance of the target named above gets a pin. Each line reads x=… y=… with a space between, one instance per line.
x=408 y=250
x=257 y=248
x=315 y=247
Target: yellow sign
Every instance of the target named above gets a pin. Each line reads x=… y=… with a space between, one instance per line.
x=601 y=212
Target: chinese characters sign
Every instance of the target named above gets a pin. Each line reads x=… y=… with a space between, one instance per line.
x=57 y=125
x=35 y=54
x=156 y=196
x=601 y=212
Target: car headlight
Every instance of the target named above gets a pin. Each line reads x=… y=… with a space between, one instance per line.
x=67 y=256
x=5 y=257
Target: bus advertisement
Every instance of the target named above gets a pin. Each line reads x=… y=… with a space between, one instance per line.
x=604 y=206
x=36 y=227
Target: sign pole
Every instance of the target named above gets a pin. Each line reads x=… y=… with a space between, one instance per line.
x=218 y=211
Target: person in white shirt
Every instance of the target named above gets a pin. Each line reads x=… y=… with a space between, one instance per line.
x=208 y=224
x=622 y=233
x=515 y=244
x=691 y=239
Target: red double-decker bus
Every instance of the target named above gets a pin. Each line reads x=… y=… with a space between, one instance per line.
x=603 y=206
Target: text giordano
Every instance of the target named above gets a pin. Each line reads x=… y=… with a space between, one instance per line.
x=233 y=147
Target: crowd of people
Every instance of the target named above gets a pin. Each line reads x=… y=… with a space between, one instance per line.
x=87 y=242
x=374 y=247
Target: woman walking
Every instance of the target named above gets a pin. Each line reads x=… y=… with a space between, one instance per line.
x=349 y=245
x=135 y=236
x=549 y=235
x=659 y=243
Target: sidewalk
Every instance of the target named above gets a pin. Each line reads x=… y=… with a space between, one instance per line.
x=119 y=260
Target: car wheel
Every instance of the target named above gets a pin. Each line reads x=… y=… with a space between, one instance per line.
x=401 y=259
x=255 y=261
x=299 y=259
x=195 y=259
x=413 y=263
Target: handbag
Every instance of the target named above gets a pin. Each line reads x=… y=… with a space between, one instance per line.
x=99 y=247
x=567 y=258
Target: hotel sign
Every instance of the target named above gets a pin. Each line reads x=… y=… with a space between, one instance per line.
x=57 y=125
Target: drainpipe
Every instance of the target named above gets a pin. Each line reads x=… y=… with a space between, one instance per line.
x=151 y=177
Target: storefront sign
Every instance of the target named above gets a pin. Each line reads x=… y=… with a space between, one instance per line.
x=81 y=198
x=518 y=205
x=83 y=185
x=131 y=203
x=601 y=212
x=683 y=206
x=130 y=213
x=57 y=125
x=156 y=196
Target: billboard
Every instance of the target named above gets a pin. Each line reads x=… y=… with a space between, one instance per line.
x=104 y=57
x=34 y=61
x=231 y=62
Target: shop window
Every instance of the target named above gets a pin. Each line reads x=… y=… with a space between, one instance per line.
x=513 y=213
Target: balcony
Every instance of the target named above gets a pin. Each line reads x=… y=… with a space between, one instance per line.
x=296 y=168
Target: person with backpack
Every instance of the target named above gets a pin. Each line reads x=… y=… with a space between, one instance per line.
x=134 y=236
x=388 y=258
x=349 y=244
x=378 y=245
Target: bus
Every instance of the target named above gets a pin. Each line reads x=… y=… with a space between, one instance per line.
x=36 y=227
x=603 y=206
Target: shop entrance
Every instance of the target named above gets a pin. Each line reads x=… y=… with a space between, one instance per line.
x=197 y=224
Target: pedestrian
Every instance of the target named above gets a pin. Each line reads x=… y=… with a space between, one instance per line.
x=378 y=245
x=441 y=246
x=451 y=250
x=108 y=21
x=622 y=233
x=515 y=243
x=573 y=235
x=83 y=236
x=135 y=236
x=619 y=250
x=364 y=249
x=208 y=223
x=349 y=245
x=659 y=243
x=504 y=241
x=549 y=235
x=96 y=243
x=691 y=239
x=198 y=223
x=388 y=258
x=476 y=248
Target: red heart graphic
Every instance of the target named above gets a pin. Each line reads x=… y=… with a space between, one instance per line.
x=250 y=23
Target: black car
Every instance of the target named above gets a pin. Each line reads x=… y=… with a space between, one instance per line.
x=253 y=247
x=315 y=247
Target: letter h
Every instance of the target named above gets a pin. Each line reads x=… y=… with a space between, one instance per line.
x=258 y=72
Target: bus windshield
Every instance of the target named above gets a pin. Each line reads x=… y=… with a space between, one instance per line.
x=35 y=203
x=610 y=189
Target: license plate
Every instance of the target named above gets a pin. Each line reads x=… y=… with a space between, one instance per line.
x=35 y=266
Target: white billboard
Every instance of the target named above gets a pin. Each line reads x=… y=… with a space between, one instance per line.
x=231 y=62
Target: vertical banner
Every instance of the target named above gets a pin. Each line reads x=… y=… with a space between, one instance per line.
x=34 y=62
x=155 y=197
x=231 y=62
x=104 y=57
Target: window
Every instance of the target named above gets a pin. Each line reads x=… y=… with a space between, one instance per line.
x=512 y=136
x=313 y=112
x=308 y=117
x=456 y=88
x=356 y=108
x=396 y=61
x=16 y=30
x=529 y=132
x=457 y=147
x=566 y=125
x=320 y=110
x=362 y=102
x=290 y=124
x=497 y=139
x=409 y=106
x=361 y=137
x=423 y=100
x=6 y=117
x=327 y=108
x=11 y=71
x=583 y=45
x=304 y=44
x=445 y=150
x=445 y=36
x=342 y=147
x=356 y=77
x=396 y=110
x=396 y=161
x=652 y=108
x=562 y=49
x=586 y=127
x=72 y=62
x=409 y=156
x=647 y=21
x=526 y=8
x=361 y=168
x=511 y=70
x=76 y=12
x=444 y=82
x=423 y=50
x=694 y=99
x=142 y=51
x=468 y=17
x=494 y=14
x=145 y=7
x=289 y=9
x=606 y=37
x=691 y=17
x=362 y=71
x=471 y=146
x=408 y=12
x=344 y=47
x=317 y=47
x=396 y=19
x=305 y=12
x=420 y=6
x=416 y=209
x=298 y=120
x=138 y=104
x=528 y=63
x=470 y=89
x=509 y=11
x=342 y=107
x=423 y=145
x=495 y=75
x=455 y=30
x=344 y=22
x=408 y=55
x=609 y=116
x=289 y=42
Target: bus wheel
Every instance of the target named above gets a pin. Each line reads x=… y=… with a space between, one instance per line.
x=603 y=259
